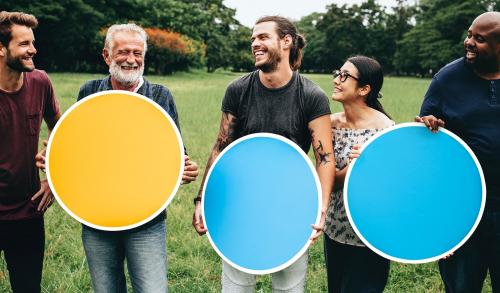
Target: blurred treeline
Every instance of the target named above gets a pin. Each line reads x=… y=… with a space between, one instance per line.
x=182 y=33
x=413 y=38
x=409 y=39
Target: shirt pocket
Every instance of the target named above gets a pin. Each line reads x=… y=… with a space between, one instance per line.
x=32 y=124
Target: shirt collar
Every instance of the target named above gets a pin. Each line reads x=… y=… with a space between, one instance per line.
x=141 y=82
x=106 y=85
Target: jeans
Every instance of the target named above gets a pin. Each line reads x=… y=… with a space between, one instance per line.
x=291 y=280
x=145 y=251
x=354 y=268
x=466 y=269
x=23 y=243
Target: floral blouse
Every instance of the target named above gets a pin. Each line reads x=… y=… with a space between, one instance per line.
x=337 y=225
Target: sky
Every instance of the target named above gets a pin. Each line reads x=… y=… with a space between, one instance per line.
x=248 y=11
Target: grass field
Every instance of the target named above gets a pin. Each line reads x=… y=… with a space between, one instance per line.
x=193 y=264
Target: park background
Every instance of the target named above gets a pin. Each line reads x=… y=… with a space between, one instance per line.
x=196 y=48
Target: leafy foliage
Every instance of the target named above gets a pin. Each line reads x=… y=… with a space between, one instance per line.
x=344 y=31
x=437 y=38
x=414 y=37
x=170 y=51
x=69 y=36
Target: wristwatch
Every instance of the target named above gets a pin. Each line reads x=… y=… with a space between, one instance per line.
x=196 y=199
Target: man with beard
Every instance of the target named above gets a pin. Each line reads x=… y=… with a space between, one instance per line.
x=26 y=96
x=465 y=95
x=145 y=246
x=276 y=99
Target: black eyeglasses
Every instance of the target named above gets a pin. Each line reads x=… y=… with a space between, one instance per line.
x=343 y=75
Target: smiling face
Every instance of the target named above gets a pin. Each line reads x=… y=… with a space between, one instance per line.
x=21 y=49
x=266 y=46
x=126 y=59
x=348 y=89
x=482 y=44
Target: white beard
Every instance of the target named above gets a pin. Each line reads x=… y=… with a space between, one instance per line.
x=125 y=78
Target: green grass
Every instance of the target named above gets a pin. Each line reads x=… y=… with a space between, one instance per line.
x=193 y=264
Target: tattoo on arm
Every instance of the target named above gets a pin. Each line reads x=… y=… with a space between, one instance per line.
x=226 y=131
x=321 y=154
x=226 y=135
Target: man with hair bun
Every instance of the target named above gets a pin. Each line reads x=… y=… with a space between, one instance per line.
x=277 y=99
x=26 y=97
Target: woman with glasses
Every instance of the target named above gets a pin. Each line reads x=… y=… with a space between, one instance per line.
x=351 y=266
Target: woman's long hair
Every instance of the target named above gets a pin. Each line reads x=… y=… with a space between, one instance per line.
x=370 y=73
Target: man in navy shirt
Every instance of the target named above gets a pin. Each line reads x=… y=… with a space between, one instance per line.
x=464 y=95
x=143 y=247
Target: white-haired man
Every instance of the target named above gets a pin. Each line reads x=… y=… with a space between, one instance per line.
x=144 y=247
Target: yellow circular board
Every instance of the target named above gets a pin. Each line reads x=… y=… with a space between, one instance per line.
x=115 y=160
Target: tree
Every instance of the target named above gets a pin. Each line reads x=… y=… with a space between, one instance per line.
x=69 y=36
x=170 y=51
x=399 y=23
x=438 y=35
x=352 y=30
x=242 y=58
x=315 y=50
x=63 y=27
x=209 y=21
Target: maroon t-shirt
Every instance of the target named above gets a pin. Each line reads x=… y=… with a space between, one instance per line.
x=21 y=115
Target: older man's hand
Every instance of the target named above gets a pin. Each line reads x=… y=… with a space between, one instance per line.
x=190 y=171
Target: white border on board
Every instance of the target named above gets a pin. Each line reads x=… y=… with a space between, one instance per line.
x=318 y=216
x=413 y=261
x=179 y=178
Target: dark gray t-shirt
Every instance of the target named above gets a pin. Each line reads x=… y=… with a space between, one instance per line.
x=285 y=111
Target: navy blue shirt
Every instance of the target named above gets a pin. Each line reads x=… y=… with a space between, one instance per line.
x=470 y=108
x=156 y=92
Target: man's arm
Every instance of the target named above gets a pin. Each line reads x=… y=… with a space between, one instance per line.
x=45 y=192
x=165 y=97
x=430 y=111
x=224 y=138
x=321 y=139
x=40 y=156
x=190 y=170
x=51 y=122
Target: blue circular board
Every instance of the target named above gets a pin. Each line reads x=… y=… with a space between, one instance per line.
x=414 y=196
x=260 y=199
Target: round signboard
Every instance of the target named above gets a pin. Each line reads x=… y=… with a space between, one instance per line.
x=414 y=196
x=260 y=199
x=115 y=160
